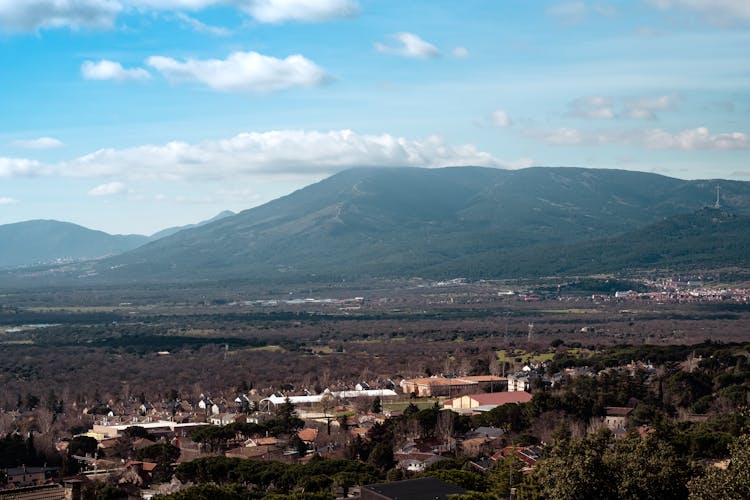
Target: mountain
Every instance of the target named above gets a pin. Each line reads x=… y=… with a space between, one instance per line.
x=706 y=238
x=172 y=230
x=44 y=241
x=465 y=221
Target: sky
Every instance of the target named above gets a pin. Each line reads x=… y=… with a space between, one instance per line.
x=130 y=116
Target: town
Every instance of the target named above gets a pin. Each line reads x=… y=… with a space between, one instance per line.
x=486 y=429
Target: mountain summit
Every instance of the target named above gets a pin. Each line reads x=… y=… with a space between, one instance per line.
x=462 y=221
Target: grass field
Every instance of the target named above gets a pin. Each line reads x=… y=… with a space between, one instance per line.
x=522 y=356
x=423 y=404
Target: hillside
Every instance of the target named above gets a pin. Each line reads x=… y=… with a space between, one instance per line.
x=176 y=229
x=43 y=241
x=476 y=222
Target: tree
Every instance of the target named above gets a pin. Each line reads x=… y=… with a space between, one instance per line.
x=82 y=445
x=504 y=475
x=730 y=484
x=647 y=468
x=298 y=445
x=381 y=456
x=377 y=407
x=576 y=469
x=462 y=478
x=136 y=431
x=164 y=454
x=596 y=466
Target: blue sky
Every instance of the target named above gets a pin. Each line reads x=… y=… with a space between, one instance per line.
x=133 y=115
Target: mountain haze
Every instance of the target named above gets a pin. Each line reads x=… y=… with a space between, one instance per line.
x=41 y=241
x=465 y=221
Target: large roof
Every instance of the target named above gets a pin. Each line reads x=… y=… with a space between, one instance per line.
x=426 y=488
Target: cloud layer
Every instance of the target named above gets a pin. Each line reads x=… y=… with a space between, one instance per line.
x=40 y=143
x=713 y=10
x=266 y=154
x=699 y=138
x=636 y=108
x=31 y=15
x=243 y=72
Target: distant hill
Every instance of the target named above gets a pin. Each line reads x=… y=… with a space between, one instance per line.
x=474 y=222
x=172 y=230
x=44 y=241
x=704 y=239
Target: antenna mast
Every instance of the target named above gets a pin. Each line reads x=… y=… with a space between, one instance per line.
x=531 y=329
x=717 y=205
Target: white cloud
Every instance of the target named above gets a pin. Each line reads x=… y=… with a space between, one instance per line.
x=699 y=138
x=563 y=136
x=607 y=108
x=17 y=16
x=30 y=15
x=645 y=108
x=576 y=11
x=568 y=12
x=460 y=52
x=408 y=45
x=243 y=72
x=20 y=167
x=201 y=27
x=273 y=153
x=259 y=155
x=110 y=70
x=40 y=143
x=593 y=107
x=696 y=138
x=500 y=118
x=279 y=11
x=173 y=4
x=713 y=10
x=7 y=201
x=109 y=189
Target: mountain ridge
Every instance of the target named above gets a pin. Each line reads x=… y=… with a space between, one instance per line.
x=385 y=221
x=455 y=221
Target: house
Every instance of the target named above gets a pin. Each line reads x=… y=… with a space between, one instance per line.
x=256 y=453
x=28 y=476
x=308 y=435
x=486 y=401
x=138 y=473
x=529 y=455
x=223 y=418
x=519 y=382
x=426 y=488
x=490 y=432
x=616 y=417
x=43 y=492
x=415 y=461
x=437 y=386
x=477 y=446
x=264 y=441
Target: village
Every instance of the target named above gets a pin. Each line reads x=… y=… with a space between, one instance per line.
x=129 y=443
